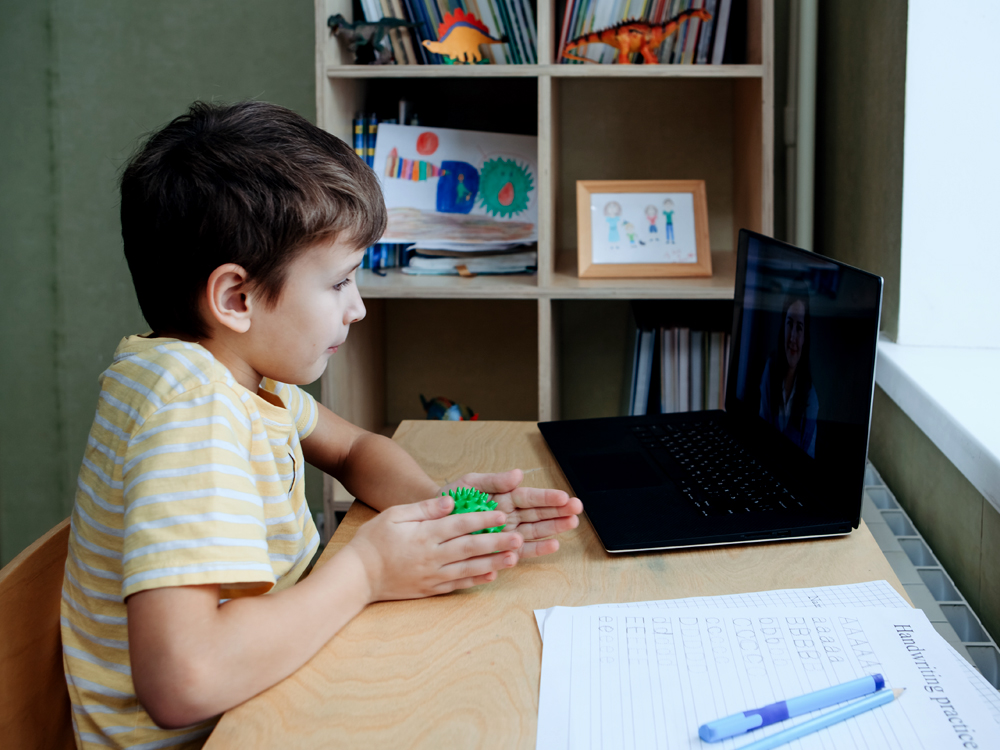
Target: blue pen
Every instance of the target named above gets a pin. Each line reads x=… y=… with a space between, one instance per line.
x=822 y=722
x=730 y=726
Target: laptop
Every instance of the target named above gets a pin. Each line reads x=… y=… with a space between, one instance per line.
x=785 y=458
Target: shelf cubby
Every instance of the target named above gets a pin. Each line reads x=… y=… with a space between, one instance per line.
x=711 y=122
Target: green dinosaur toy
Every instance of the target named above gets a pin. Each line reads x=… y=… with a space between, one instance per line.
x=367 y=41
x=471 y=500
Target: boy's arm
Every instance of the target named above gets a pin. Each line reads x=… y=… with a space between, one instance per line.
x=380 y=472
x=193 y=658
x=370 y=466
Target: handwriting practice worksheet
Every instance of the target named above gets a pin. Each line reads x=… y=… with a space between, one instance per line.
x=647 y=676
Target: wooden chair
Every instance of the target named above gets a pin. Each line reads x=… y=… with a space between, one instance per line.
x=34 y=702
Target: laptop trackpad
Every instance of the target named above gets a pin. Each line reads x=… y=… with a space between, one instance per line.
x=614 y=471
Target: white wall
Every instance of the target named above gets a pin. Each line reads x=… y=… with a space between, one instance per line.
x=950 y=255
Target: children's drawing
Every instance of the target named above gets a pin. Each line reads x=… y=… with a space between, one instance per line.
x=427 y=143
x=631 y=37
x=668 y=212
x=652 y=214
x=613 y=212
x=629 y=228
x=461 y=34
x=674 y=244
x=505 y=187
x=457 y=185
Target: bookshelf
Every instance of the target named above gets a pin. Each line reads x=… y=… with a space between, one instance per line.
x=712 y=122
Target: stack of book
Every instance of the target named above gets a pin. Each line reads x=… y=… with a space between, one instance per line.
x=510 y=20
x=433 y=258
x=677 y=370
x=695 y=42
x=381 y=255
x=676 y=356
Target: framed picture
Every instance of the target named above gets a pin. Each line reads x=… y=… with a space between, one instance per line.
x=642 y=228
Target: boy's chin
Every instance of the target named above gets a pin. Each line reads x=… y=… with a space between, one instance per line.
x=305 y=375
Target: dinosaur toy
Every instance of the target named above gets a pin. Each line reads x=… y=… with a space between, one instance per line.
x=446 y=409
x=629 y=37
x=365 y=39
x=461 y=34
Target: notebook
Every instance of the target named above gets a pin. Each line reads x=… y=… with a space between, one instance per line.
x=785 y=458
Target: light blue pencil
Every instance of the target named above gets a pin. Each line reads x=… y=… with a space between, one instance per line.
x=821 y=722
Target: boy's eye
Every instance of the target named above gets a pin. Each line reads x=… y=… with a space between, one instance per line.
x=342 y=284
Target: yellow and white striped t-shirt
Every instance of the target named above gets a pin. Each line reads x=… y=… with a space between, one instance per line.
x=188 y=478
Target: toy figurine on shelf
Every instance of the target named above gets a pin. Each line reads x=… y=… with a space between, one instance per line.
x=460 y=35
x=629 y=37
x=365 y=39
x=446 y=409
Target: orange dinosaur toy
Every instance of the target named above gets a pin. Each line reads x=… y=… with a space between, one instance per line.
x=630 y=37
x=460 y=35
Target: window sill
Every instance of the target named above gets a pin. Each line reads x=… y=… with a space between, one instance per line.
x=951 y=395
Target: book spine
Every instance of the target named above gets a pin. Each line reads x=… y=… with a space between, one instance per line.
x=664 y=371
x=672 y=8
x=705 y=37
x=719 y=43
x=722 y=370
x=568 y=12
x=579 y=22
x=404 y=33
x=487 y=49
x=529 y=25
x=644 y=374
x=359 y=136
x=725 y=368
x=691 y=39
x=697 y=371
x=683 y=369
x=393 y=34
x=513 y=9
x=414 y=10
x=678 y=51
x=508 y=31
x=501 y=52
x=370 y=137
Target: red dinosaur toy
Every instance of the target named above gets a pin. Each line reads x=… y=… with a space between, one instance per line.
x=630 y=37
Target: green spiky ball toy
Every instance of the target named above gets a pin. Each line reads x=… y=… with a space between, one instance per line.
x=471 y=500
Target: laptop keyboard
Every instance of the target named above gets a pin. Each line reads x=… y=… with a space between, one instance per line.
x=719 y=477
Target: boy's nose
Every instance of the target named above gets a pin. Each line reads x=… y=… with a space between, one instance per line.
x=357 y=312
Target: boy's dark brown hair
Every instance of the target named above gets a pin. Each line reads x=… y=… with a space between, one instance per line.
x=249 y=183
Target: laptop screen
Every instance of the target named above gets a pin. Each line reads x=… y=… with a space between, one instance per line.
x=803 y=358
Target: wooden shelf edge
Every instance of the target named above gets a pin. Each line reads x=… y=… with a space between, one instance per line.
x=397 y=285
x=565 y=285
x=534 y=71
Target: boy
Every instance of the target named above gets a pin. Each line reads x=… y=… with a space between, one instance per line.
x=243 y=228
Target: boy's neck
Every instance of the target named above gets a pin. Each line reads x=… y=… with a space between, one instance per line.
x=242 y=372
x=240 y=369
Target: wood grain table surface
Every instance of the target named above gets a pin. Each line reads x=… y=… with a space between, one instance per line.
x=463 y=670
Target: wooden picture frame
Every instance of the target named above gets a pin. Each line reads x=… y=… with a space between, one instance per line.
x=678 y=232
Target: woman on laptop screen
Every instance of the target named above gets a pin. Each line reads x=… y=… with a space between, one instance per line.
x=788 y=399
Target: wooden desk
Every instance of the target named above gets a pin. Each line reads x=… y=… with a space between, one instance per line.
x=463 y=670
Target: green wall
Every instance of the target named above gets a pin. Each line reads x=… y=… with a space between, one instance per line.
x=860 y=100
x=80 y=83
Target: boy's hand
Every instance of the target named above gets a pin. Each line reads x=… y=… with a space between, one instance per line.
x=532 y=512
x=417 y=550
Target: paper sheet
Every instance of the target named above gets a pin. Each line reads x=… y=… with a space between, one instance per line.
x=625 y=688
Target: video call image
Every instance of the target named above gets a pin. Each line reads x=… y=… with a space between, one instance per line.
x=806 y=340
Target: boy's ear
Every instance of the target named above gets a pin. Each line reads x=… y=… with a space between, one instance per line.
x=227 y=298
